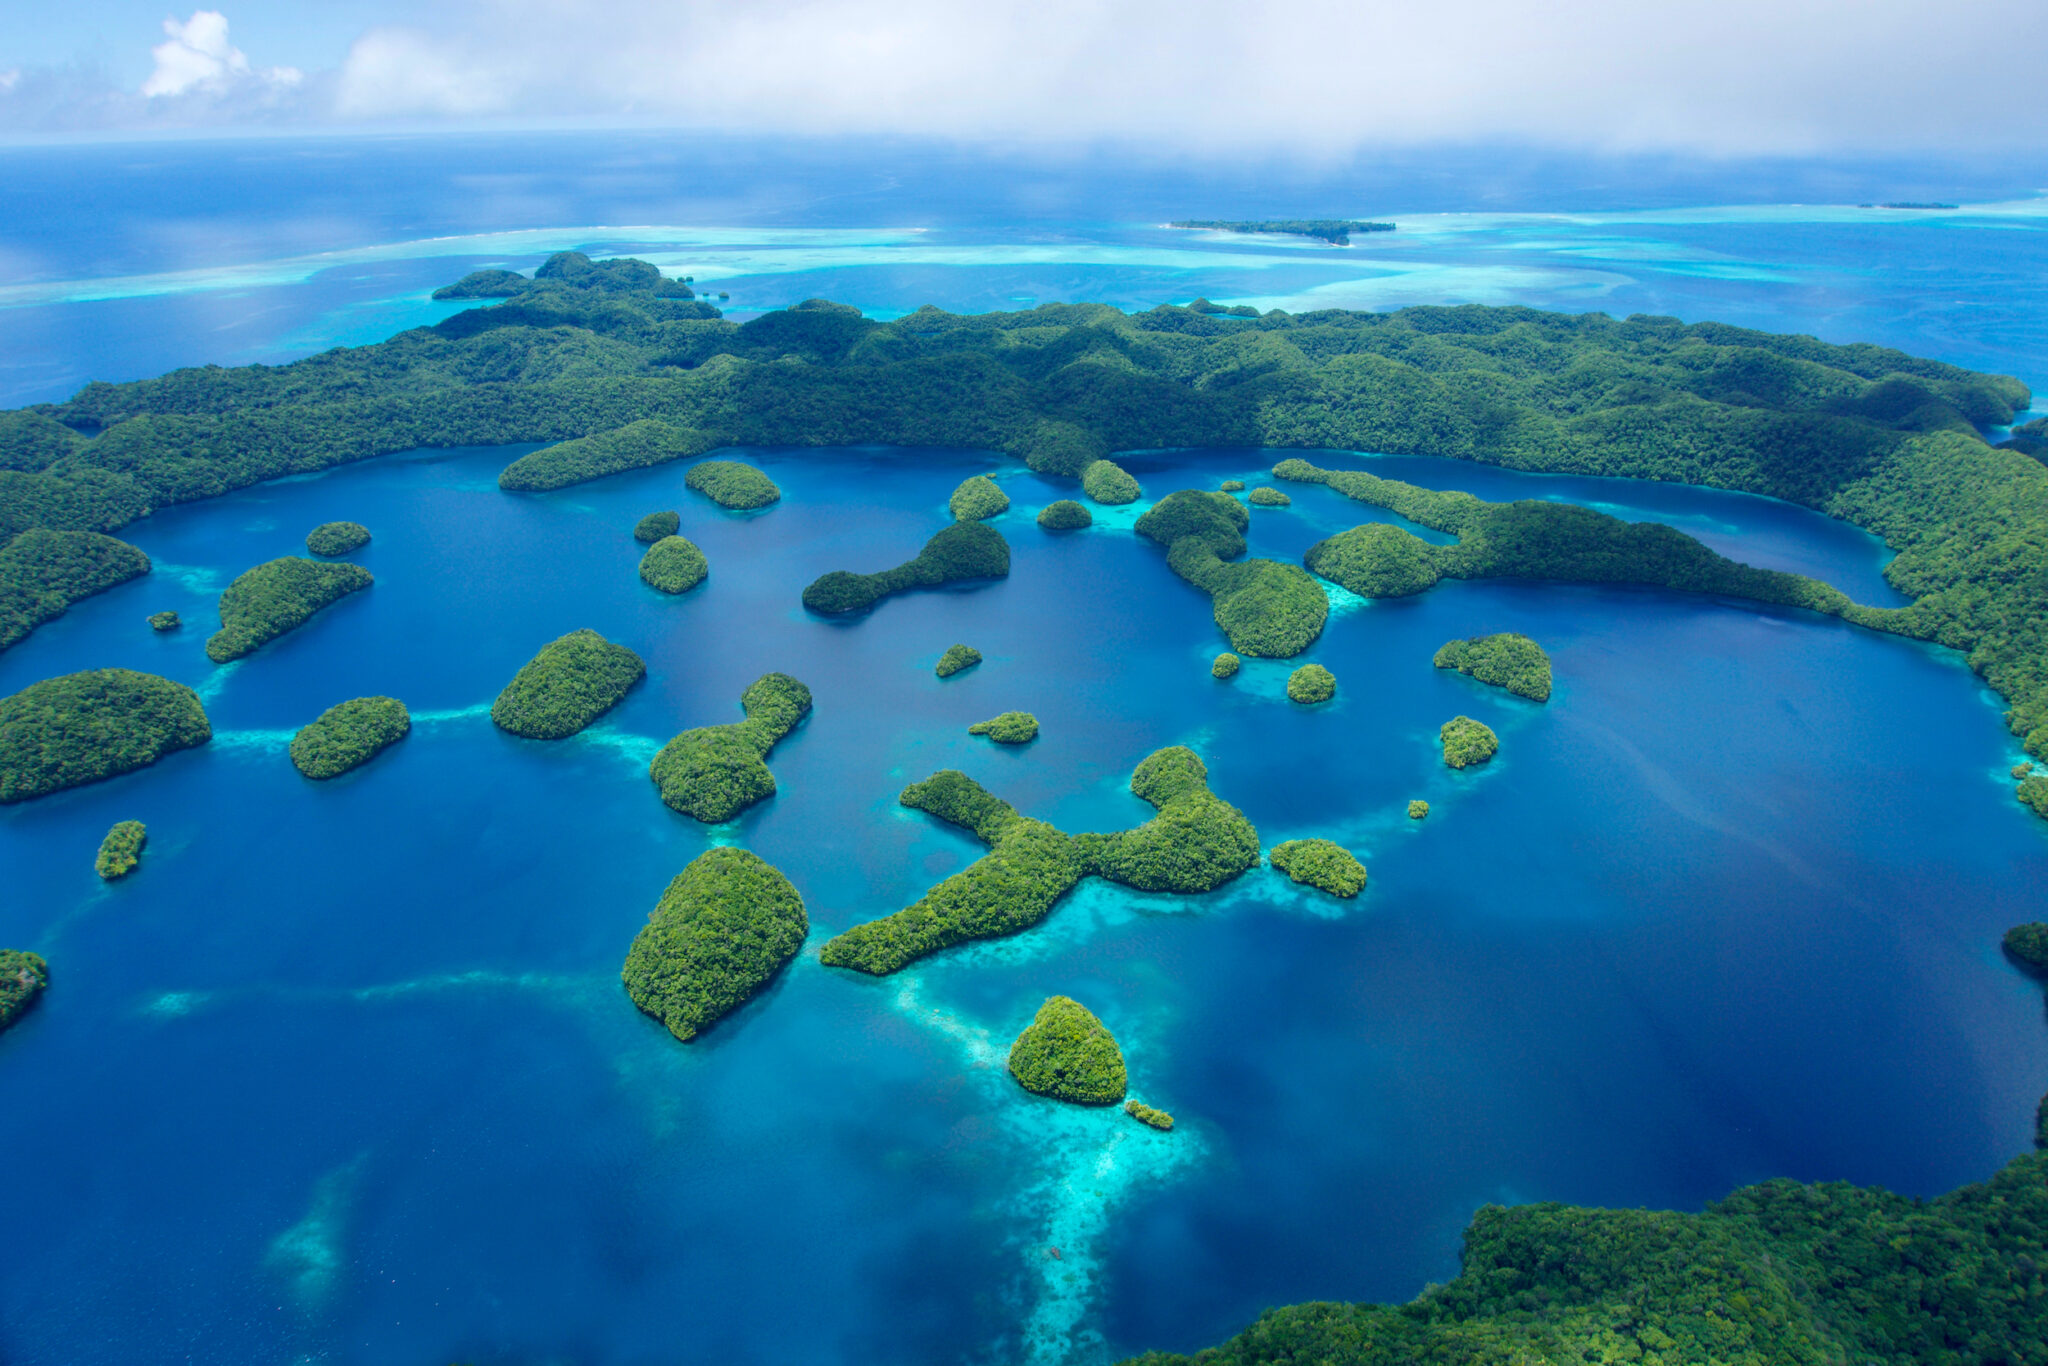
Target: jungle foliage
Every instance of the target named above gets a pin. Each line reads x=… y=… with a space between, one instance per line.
x=1145 y=1114
x=977 y=499
x=1065 y=514
x=43 y=572
x=1506 y=660
x=673 y=564
x=1067 y=1054
x=1266 y=496
x=337 y=538
x=1467 y=742
x=656 y=525
x=1225 y=665
x=1323 y=864
x=79 y=728
x=733 y=485
x=716 y=772
x=2027 y=945
x=348 y=735
x=164 y=621
x=23 y=977
x=276 y=597
x=726 y=925
x=1418 y=810
x=1311 y=684
x=1108 y=482
x=121 y=851
x=1267 y=608
x=572 y=681
x=957 y=659
x=634 y=446
x=961 y=552
x=1010 y=728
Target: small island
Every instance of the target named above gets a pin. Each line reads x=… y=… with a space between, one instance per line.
x=569 y=684
x=733 y=485
x=79 y=728
x=963 y=551
x=1011 y=728
x=337 y=538
x=1266 y=608
x=673 y=564
x=164 y=621
x=1065 y=515
x=1066 y=1054
x=2033 y=792
x=1232 y=486
x=1225 y=665
x=1377 y=560
x=977 y=499
x=278 y=597
x=957 y=659
x=1268 y=497
x=656 y=525
x=726 y=925
x=1108 y=482
x=23 y=977
x=1145 y=1114
x=121 y=851
x=635 y=446
x=1418 y=810
x=2027 y=945
x=1336 y=231
x=1507 y=660
x=1311 y=685
x=1467 y=742
x=1323 y=864
x=715 y=772
x=348 y=735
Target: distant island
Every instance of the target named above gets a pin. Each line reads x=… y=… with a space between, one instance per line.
x=121 y=851
x=1336 y=231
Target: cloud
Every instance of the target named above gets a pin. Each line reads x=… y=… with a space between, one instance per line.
x=200 y=59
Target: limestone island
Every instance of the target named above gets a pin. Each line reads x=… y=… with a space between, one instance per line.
x=1225 y=665
x=337 y=538
x=962 y=552
x=1311 y=685
x=2033 y=791
x=1507 y=660
x=957 y=659
x=23 y=976
x=673 y=564
x=1467 y=742
x=715 y=772
x=1065 y=515
x=733 y=485
x=655 y=525
x=164 y=621
x=726 y=925
x=2027 y=945
x=1011 y=728
x=1377 y=560
x=44 y=571
x=1110 y=483
x=977 y=499
x=572 y=681
x=637 y=445
x=1145 y=1114
x=121 y=851
x=1065 y=1053
x=1266 y=608
x=1336 y=231
x=348 y=735
x=79 y=728
x=276 y=597
x=1265 y=497
x=1232 y=486
x=1418 y=810
x=1323 y=864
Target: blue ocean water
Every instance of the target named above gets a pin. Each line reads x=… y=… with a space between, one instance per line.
x=345 y=1073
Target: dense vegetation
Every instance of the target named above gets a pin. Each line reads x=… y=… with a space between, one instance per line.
x=963 y=551
x=121 y=851
x=977 y=499
x=674 y=565
x=570 y=683
x=1467 y=742
x=726 y=925
x=655 y=525
x=1266 y=608
x=1232 y=486
x=1267 y=497
x=2027 y=945
x=1780 y=1274
x=1506 y=660
x=23 y=976
x=1196 y=843
x=43 y=572
x=275 y=597
x=1225 y=665
x=1108 y=482
x=1145 y=1114
x=1065 y=514
x=1336 y=231
x=164 y=621
x=2033 y=791
x=1418 y=810
x=65 y=732
x=1322 y=864
x=1376 y=560
x=733 y=485
x=1311 y=684
x=348 y=735
x=337 y=538
x=1065 y=1053
x=1011 y=728
x=634 y=446
x=568 y=271
x=716 y=772
x=956 y=659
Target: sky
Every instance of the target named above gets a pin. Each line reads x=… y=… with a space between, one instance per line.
x=1309 y=78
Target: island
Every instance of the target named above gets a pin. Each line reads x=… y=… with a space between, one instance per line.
x=726 y=925
x=1322 y=864
x=1066 y=1054
x=1376 y=560
x=733 y=485
x=121 y=851
x=1336 y=231
x=164 y=621
x=1507 y=660
x=961 y=553
x=277 y=597
x=1265 y=607
x=43 y=572
x=715 y=772
x=673 y=564
x=1065 y=515
x=957 y=659
x=348 y=735
x=572 y=681
x=1108 y=482
x=337 y=538
x=1011 y=728
x=634 y=446
x=977 y=499
x=23 y=977
x=655 y=526
x=1467 y=742
x=1225 y=665
x=1232 y=486
x=2033 y=792
x=2027 y=945
x=1145 y=1114
x=1418 y=810
x=1265 y=496
x=569 y=271
x=1311 y=684
x=80 y=728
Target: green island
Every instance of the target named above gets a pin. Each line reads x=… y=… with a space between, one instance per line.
x=276 y=597
x=726 y=925
x=1336 y=231
x=568 y=271
x=962 y=552
x=164 y=621
x=121 y=851
x=1196 y=843
x=1322 y=864
x=1225 y=665
x=673 y=564
x=957 y=659
x=716 y=772
x=1311 y=684
x=337 y=538
x=1507 y=660
x=1266 y=608
x=1145 y=1114
x=2033 y=792
x=572 y=681
x=1108 y=482
x=1267 y=497
x=1065 y=515
x=348 y=735
x=1376 y=560
x=79 y=728
x=43 y=572
x=733 y=485
x=977 y=499
x=1066 y=1053
x=1467 y=742
x=633 y=446
x=1232 y=486
x=1418 y=810
x=23 y=977
x=656 y=525
x=1011 y=728
x=2027 y=945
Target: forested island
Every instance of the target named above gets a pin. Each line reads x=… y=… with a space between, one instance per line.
x=962 y=552
x=1064 y=514
x=572 y=681
x=726 y=925
x=1336 y=231
x=1508 y=660
x=1311 y=684
x=715 y=772
x=1067 y=1054
x=957 y=659
x=1323 y=864
x=65 y=732
x=337 y=538
x=121 y=851
x=276 y=597
x=977 y=499
x=656 y=525
x=1467 y=742
x=673 y=564
x=42 y=572
x=733 y=485
x=1010 y=728
x=1264 y=606
x=348 y=735
x=23 y=977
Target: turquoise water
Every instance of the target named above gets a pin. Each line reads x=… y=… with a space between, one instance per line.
x=345 y=1073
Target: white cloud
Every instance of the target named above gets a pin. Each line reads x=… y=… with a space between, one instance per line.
x=199 y=59
x=402 y=73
